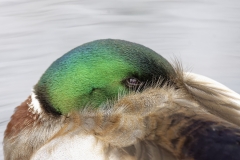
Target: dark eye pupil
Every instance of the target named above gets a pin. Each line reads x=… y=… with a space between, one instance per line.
x=132 y=82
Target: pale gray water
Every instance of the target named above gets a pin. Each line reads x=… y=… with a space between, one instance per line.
x=204 y=35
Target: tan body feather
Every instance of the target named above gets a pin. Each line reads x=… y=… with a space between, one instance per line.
x=153 y=124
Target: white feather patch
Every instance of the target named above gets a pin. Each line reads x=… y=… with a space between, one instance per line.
x=35 y=106
x=214 y=84
x=71 y=147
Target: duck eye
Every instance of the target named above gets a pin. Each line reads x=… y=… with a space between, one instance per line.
x=132 y=82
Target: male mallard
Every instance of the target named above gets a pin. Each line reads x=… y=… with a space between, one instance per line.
x=113 y=99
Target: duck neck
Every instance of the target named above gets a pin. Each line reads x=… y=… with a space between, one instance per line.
x=30 y=127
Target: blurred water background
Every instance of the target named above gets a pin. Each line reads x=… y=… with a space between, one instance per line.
x=203 y=34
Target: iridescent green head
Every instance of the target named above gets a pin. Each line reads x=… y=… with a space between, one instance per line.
x=96 y=72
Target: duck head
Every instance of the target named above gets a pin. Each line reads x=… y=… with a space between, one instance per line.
x=95 y=72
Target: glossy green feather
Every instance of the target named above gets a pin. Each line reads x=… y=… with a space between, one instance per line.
x=95 y=72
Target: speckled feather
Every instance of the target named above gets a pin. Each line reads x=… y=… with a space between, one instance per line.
x=158 y=123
